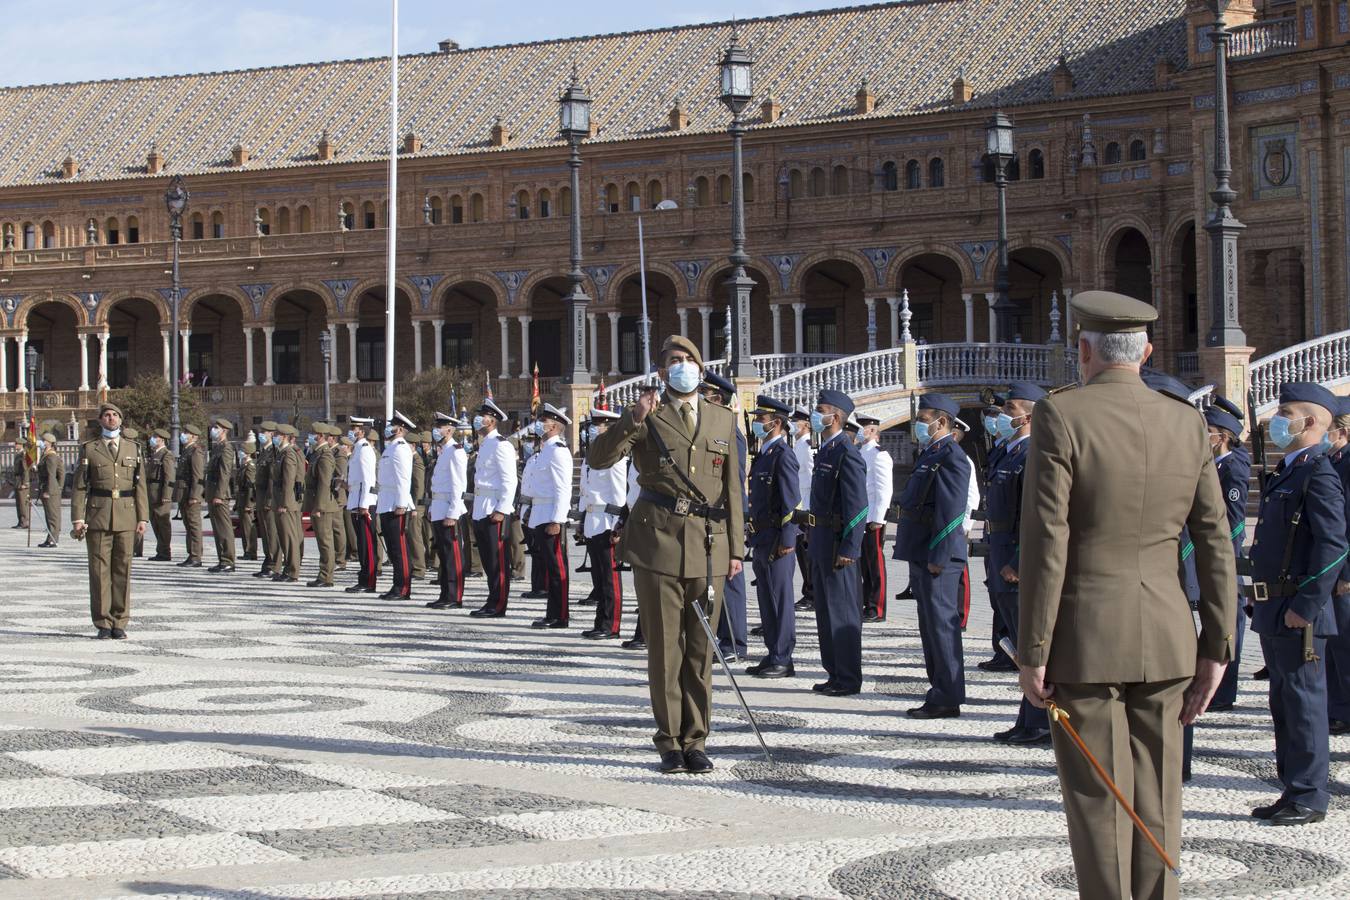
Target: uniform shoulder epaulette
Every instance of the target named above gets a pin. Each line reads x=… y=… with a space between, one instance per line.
x=1072 y=385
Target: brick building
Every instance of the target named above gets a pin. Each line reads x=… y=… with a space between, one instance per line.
x=865 y=181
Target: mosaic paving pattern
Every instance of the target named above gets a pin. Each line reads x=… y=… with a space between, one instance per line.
x=255 y=740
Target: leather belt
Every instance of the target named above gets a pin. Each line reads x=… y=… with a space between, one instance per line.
x=611 y=509
x=443 y=495
x=104 y=492
x=683 y=506
x=993 y=527
x=1261 y=591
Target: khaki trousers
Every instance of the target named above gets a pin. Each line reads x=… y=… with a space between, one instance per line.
x=109 y=577
x=348 y=551
x=1133 y=731
x=516 y=545
x=161 y=522
x=292 y=547
x=417 y=541
x=192 y=525
x=679 y=655
x=327 y=533
x=248 y=530
x=23 y=504
x=51 y=511
x=271 y=540
x=222 y=530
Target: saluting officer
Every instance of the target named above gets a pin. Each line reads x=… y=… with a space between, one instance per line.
x=801 y=448
x=361 y=501
x=191 y=469
x=325 y=510
x=395 y=504
x=1001 y=526
x=1297 y=555
x=161 y=480
x=51 y=479
x=219 y=493
x=108 y=508
x=494 y=493
x=774 y=484
x=245 y=506
x=448 y=482
x=931 y=538
x=603 y=497
x=838 y=516
x=550 y=488
x=262 y=488
x=1233 y=464
x=288 y=493
x=880 y=475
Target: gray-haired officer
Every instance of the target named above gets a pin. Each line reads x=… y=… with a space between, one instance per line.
x=773 y=536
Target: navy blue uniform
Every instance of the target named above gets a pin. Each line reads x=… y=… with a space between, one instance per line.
x=1235 y=472
x=1338 y=647
x=1306 y=484
x=731 y=629
x=774 y=494
x=839 y=513
x=1003 y=505
x=932 y=519
x=991 y=576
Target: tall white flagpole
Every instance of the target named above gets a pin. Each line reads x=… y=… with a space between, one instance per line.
x=646 y=323
x=391 y=292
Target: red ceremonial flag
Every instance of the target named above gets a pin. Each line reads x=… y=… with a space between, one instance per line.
x=534 y=392
x=31 y=447
x=602 y=402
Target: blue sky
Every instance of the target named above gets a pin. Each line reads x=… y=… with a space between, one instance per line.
x=78 y=40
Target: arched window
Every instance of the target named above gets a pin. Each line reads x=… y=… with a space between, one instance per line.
x=1138 y=152
x=545 y=204
x=133 y=230
x=1036 y=165
x=29 y=236
x=264 y=220
x=522 y=204
x=198 y=227
x=284 y=220
x=701 y=191
x=890 y=176
x=565 y=201
x=112 y=231
x=1112 y=154
x=913 y=175
x=612 y=198
x=723 y=189
x=48 y=235
x=456 y=210
x=304 y=220
x=839 y=180
x=632 y=196
x=818 y=182
x=217 y=224
x=655 y=193
x=748 y=187
x=476 y=208
x=937 y=173
x=368 y=214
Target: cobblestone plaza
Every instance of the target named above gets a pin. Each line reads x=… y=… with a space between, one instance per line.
x=257 y=740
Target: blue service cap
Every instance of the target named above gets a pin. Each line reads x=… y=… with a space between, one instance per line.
x=712 y=379
x=766 y=405
x=1024 y=390
x=837 y=399
x=1169 y=385
x=1308 y=392
x=1226 y=405
x=1344 y=408
x=940 y=402
x=1222 y=418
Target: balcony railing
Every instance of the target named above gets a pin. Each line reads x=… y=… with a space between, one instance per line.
x=1264 y=38
x=1325 y=360
x=963 y=364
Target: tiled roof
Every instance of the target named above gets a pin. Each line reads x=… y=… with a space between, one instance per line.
x=812 y=63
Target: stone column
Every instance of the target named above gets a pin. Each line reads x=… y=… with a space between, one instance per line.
x=871 y=323
x=22 y=342
x=991 y=299
x=84 y=361
x=505 y=325
x=894 y=303
x=777 y=310
x=524 y=346
x=438 y=334
x=187 y=344
x=1071 y=339
x=706 y=313
x=969 y=300
x=799 y=328
x=351 y=353
x=4 y=365
x=334 y=356
x=594 y=356
x=613 y=344
x=248 y=357
x=267 y=353
x=164 y=337
x=417 y=345
x=103 y=337
x=683 y=313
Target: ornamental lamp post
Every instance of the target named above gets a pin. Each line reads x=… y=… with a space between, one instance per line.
x=574 y=119
x=998 y=136
x=176 y=201
x=32 y=361
x=326 y=348
x=1223 y=226
x=738 y=90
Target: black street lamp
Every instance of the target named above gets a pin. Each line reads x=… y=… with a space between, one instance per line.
x=176 y=201
x=32 y=361
x=1223 y=226
x=326 y=348
x=998 y=136
x=738 y=90
x=574 y=118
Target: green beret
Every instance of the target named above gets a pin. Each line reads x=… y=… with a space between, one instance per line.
x=48 y=436
x=223 y=423
x=193 y=430
x=162 y=433
x=288 y=430
x=269 y=425
x=346 y=441
x=679 y=342
x=105 y=407
x=1107 y=312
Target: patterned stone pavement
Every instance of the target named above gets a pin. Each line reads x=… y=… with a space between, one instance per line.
x=252 y=740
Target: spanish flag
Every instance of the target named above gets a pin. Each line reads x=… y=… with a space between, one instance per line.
x=30 y=450
x=601 y=401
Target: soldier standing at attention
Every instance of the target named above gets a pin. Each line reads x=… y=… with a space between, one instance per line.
x=494 y=492
x=131 y=434
x=551 y=491
x=342 y=523
x=801 y=448
x=51 y=478
x=838 y=512
x=19 y=477
x=1338 y=647
x=773 y=536
x=1297 y=556
x=603 y=493
x=325 y=511
x=108 y=509
x=732 y=635
x=931 y=538
x=262 y=486
x=191 y=468
x=1114 y=470
x=448 y=481
x=245 y=506
x=220 y=492
x=1233 y=464
x=361 y=500
x=417 y=545
x=682 y=448
x=999 y=662
x=872 y=564
x=395 y=504
x=288 y=492
x=161 y=479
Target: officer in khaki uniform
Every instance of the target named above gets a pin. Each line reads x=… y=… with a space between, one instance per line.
x=321 y=500
x=664 y=541
x=417 y=542
x=220 y=494
x=1113 y=472
x=288 y=492
x=131 y=434
x=108 y=508
x=51 y=478
x=191 y=471
x=160 y=483
x=245 y=506
x=262 y=490
x=342 y=451
x=20 y=476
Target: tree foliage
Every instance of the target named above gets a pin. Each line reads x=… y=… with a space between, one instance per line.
x=430 y=392
x=146 y=404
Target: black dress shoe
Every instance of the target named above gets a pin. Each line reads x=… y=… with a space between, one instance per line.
x=696 y=762
x=191 y=562
x=1220 y=707
x=1262 y=674
x=786 y=671
x=558 y=623
x=263 y=573
x=119 y=634
x=1339 y=726
x=1296 y=814
x=439 y=604
x=757 y=631
x=1005 y=737
x=486 y=612
x=1030 y=737
x=288 y=579
x=672 y=762
x=933 y=711
x=634 y=644
x=103 y=634
x=46 y=544
x=822 y=687
x=872 y=617
x=357 y=589
x=318 y=583
x=757 y=667
x=393 y=594
x=542 y=623
x=997 y=664
x=535 y=595
x=1265 y=812
x=804 y=605
x=158 y=558
x=225 y=567
x=599 y=634
x=730 y=657
x=836 y=690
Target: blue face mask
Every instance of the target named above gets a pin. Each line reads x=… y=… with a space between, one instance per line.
x=214 y=432
x=110 y=433
x=592 y=432
x=1325 y=446
x=477 y=423
x=182 y=438
x=684 y=377
x=1279 y=432
x=276 y=441
x=922 y=434
x=817 y=422
x=757 y=429
x=991 y=425
x=154 y=443
x=1005 y=427
x=351 y=436
x=309 y=441
x=538 y=429
x=437 y=435
x=388 y=432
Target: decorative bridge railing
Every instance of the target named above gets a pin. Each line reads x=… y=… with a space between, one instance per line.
x=1325 y=360
x=964 y=364
x=868 y=373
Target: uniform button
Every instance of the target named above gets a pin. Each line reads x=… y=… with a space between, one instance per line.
x=1227 y=637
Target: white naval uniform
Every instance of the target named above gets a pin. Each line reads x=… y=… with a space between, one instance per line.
x=449 y=481
x=880 y=471
x=494 y=477
x=601 y=488
x=361 y=476
x=395 y=477
x=548 y=483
